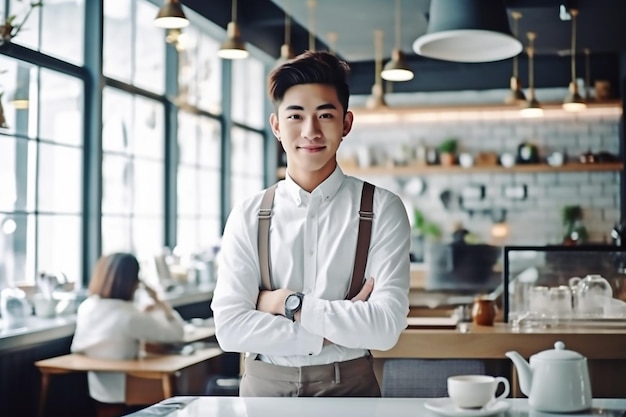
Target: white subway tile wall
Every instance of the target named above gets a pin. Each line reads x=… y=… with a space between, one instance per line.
x=535 y=220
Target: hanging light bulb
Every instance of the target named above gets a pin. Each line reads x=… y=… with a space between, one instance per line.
x=233 y=47
x=397 y=69
x=516 y=95
x=532 y=107
x=377 y=99
x=286 y=53
x=573 y=101
x=171 y=16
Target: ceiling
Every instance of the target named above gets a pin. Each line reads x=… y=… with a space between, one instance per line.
x=601 y=29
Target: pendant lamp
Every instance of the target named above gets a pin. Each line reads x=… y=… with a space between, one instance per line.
x=332 y=42
x=311 y=4
x=532 y=108
x=171 y=16
x=286 y=53
x=468 y=31
x=233 y=47
x=587 y=75
x=397 y=69
x=377 y=99
x=573 y=101
x=515 y=95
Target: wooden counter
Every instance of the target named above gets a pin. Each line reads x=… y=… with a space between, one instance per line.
x=482 y=342
x=605 y=349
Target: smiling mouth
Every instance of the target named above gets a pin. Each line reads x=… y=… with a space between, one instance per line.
x=312 y=148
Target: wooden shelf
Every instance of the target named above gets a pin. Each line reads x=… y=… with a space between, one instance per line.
x=456 y=169
x=494 y=107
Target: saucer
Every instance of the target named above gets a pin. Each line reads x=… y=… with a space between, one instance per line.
x=446 y=407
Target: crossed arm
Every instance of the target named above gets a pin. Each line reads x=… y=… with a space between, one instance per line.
x=273 y=301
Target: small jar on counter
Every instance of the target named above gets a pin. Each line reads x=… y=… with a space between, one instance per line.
x=484 y=311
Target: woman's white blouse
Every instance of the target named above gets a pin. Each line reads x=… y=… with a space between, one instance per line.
x=111 y=329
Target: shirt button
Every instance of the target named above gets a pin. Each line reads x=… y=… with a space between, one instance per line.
x=311 y=252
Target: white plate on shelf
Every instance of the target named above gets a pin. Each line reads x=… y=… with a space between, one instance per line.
x=446 y=407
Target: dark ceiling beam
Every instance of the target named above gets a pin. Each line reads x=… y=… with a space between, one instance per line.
x=433 y=75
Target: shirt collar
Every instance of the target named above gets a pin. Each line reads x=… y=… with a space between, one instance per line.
x=327 y=189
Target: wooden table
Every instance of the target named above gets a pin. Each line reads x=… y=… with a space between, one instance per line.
x=161 y=368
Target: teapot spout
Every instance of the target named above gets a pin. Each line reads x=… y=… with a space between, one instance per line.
x=524 y=371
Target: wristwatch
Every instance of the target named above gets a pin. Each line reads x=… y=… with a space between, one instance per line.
x=293 y=304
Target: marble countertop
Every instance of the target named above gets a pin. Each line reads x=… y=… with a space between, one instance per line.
x=343 y=407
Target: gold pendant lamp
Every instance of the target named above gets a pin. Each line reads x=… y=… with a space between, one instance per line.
x=234 y=46
x=573 y=101
x=171 y=16
x=377 y=99
x=532 y=108
x=397 y=69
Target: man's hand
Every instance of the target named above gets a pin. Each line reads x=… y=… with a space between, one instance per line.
x=273 y=302
x=366 y=290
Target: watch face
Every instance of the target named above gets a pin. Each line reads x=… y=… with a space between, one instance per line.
x=293 y=301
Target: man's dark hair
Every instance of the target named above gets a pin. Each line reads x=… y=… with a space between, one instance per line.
x=319 y=67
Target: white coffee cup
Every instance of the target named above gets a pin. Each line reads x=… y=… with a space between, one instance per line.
x=475 y=391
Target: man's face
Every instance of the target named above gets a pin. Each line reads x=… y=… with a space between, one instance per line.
x=310 y=124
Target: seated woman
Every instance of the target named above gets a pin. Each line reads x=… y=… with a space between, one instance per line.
x=110 y=326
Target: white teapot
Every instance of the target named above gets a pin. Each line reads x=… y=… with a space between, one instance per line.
x=555 y=381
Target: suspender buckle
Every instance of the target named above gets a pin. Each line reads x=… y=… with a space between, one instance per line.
x=265 y=213
x=366 y=215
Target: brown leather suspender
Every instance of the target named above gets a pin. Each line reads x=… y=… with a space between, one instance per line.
x=366 y=215
x=265 y=216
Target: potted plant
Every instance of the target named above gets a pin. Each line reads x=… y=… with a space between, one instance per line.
x=423 y=231
x=447 y=151
x=575 y=232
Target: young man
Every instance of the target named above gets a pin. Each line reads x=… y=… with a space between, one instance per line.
x=305 y=336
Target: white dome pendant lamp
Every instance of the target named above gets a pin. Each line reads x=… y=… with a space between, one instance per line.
x=468 y=31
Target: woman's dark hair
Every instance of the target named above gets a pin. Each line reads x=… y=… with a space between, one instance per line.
x=115 y=276
x=310 y=68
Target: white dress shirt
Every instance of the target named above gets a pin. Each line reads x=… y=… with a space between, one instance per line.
x=111 y=329
x=312 y=247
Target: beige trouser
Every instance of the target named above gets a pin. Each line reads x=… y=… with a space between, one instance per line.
x=353 y=378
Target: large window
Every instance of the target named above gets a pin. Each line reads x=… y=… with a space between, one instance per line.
x=247 y=168
x=158 y=164
x=41 y=154
x=199 y=139
x=56 y=29
x=132 y=173
x=200 y=71
x=249 y=93
x=247 y=138
x=134 y=48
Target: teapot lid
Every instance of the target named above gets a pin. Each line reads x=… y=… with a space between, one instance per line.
x=559 y=353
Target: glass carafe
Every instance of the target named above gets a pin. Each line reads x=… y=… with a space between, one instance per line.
x=591 y=295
